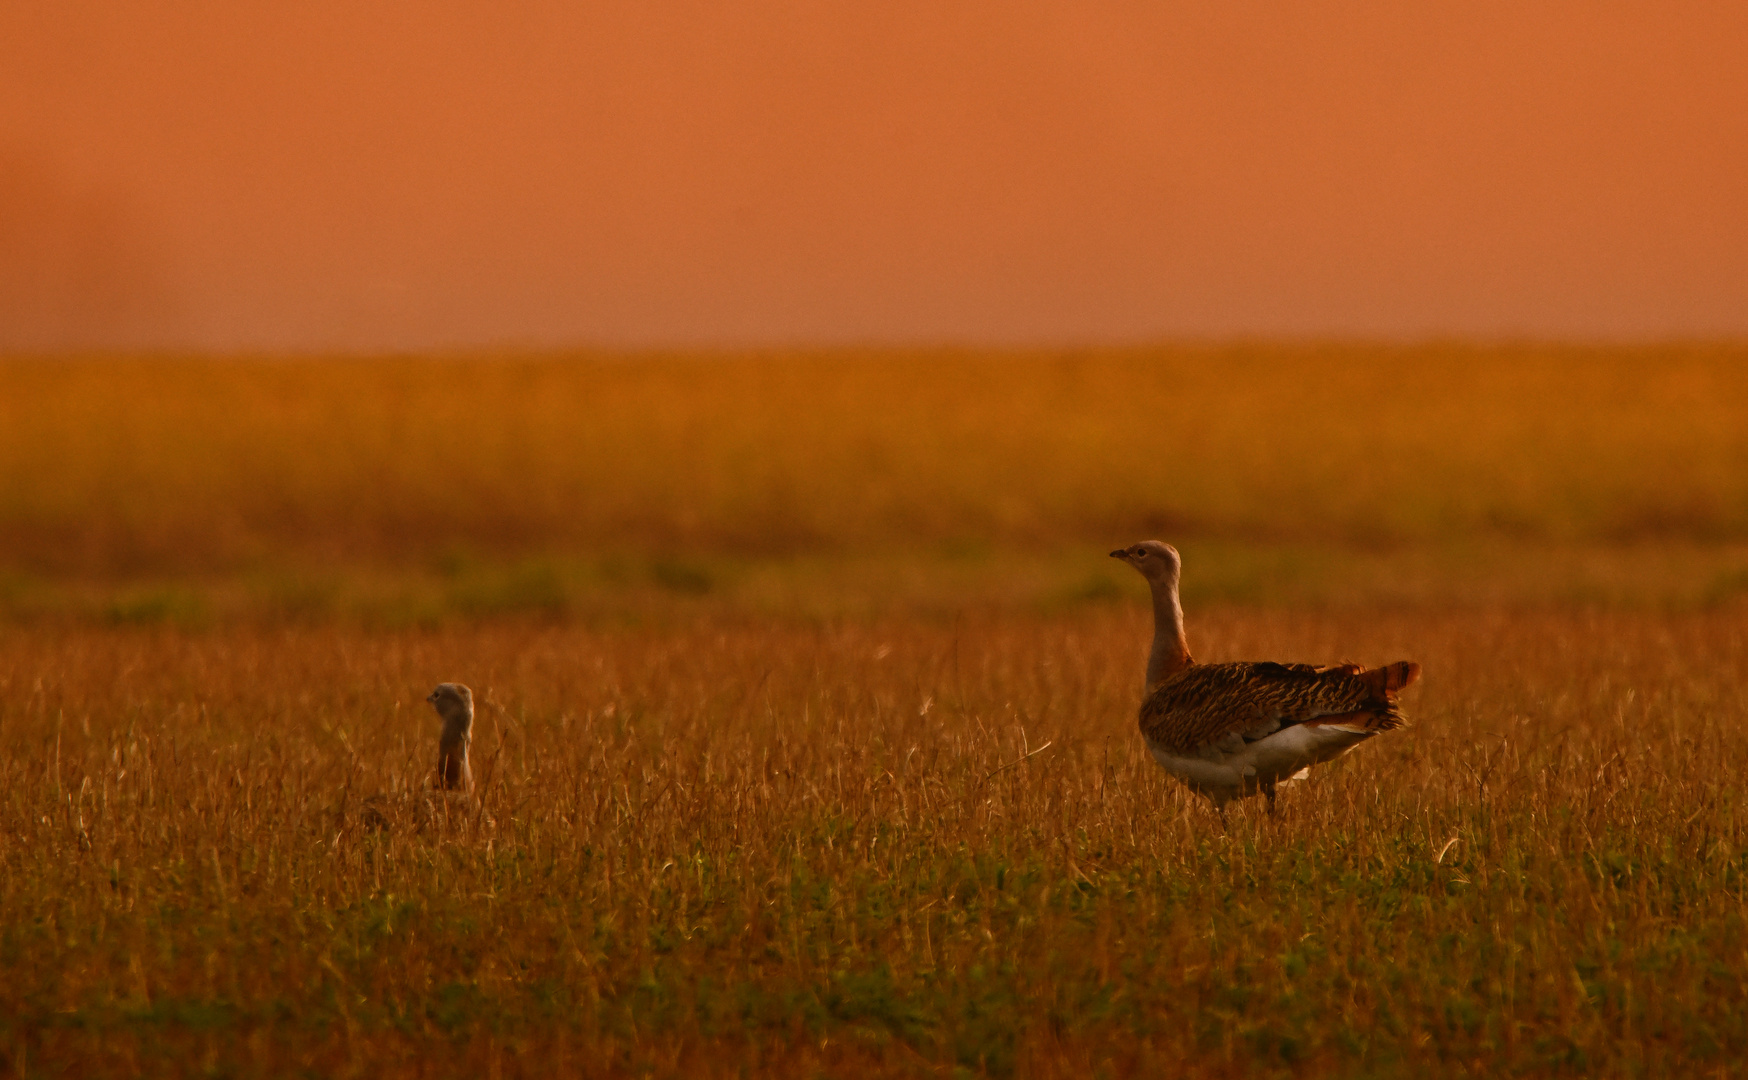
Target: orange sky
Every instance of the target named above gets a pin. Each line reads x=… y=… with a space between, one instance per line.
x=325 y=174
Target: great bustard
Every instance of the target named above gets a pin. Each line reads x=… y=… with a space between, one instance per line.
x=1232 y=730
x=454 y=703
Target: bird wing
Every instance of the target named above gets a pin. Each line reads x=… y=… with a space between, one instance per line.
x=1225 y=706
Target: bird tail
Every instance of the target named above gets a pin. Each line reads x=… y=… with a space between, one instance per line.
x=1387 y=680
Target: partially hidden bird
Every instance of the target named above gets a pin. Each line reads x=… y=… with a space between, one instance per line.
x=451 y=787
x=1234 y=730
x=454 y=703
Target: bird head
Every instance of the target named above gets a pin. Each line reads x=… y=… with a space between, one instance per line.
x=1158 y=563
x=454 y=703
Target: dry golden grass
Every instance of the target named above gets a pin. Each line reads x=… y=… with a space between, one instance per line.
x=406 y=491
x=764 y=641
x=796 y=851
x=116 y=466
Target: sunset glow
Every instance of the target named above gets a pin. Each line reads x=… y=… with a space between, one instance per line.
x=320 y=176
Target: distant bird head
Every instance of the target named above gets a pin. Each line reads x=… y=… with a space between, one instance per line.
x=1157 y=562
x=454 y=703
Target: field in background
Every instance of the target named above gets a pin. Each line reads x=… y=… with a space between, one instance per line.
x=405 y=490
x=763 y=645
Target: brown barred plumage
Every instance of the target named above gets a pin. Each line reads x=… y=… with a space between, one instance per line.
x=1207 y=704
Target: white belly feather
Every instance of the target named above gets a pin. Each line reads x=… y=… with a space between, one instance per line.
x=1233 y=767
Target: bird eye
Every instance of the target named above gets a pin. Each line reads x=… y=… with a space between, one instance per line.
x=1141 y=553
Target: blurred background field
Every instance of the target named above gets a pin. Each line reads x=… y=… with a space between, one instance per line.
x=410 y=489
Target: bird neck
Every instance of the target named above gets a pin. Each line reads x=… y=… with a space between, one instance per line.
x=452 y=768
x=1171 y=653
x=457 y=731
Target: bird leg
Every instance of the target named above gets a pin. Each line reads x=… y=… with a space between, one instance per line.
x=1268 y=790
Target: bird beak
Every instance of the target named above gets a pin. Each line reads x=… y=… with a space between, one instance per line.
x=1119 y=554
x=431 y=697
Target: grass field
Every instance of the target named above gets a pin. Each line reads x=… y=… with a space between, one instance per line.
x=806 y=744
x=402 y=489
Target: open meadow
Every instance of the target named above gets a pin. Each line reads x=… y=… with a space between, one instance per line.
x=806 y=740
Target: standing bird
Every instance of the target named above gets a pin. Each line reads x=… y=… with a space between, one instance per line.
x=454 y=703
x=1232 y=730
x=422 y=810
